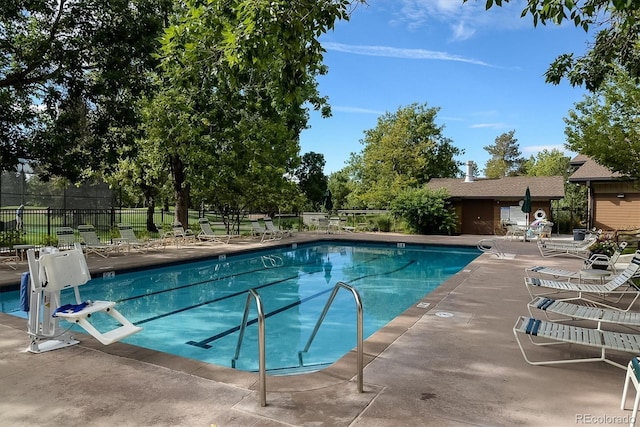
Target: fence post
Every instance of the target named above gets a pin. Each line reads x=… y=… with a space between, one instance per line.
x=49 y=222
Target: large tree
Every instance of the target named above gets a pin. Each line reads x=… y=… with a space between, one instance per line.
x=606 y=125
x=70 y=73
x=311 y=178
x=406 y=149
x=237 y=77
x=617 y=41
x=505 y=157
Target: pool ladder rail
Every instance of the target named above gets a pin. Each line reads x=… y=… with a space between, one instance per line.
x=492 y=247
x=253 y=294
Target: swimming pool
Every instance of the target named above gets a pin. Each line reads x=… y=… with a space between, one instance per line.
x=195 y=310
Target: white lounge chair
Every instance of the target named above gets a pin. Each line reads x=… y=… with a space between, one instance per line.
x=259 y=230
x=493 y=247
x=515 y=231
x=632 y=376
x=619 y=285
x=580 y=249
x=323 y=225
x=623 y=262
x=553 y=333
x=52 y=273
x=179 y=234
x=271 y=228
x=129 y=239
x=66 y=237
x=594 y=261
x=92 y=243
x=208 y=235
x=10 y=259
x=563 y=311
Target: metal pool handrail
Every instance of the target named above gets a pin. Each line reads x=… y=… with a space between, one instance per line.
x=261 y=346
x=356 y=297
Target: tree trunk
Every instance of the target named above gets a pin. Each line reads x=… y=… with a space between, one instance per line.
x=151 y=207
x=181 y=189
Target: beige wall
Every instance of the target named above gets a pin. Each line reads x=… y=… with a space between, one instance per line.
x=616 y=205
x=614 y=213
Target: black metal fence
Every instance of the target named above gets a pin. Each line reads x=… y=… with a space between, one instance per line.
x=38 y=226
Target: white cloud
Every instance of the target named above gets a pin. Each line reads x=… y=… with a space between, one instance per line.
x=470 y=16
x=497 y=125
x=537 y=148
x=357 y=110
x=462 y=32
x=393 y=52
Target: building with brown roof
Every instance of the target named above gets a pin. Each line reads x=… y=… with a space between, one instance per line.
x=613 y=199
x=483 y=205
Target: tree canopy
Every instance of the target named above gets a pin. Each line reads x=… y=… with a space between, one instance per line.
x=406 y=149
x=70 y=74
x=605 y=125
x=548 y=163
x=617 y=41
x=505 y=157
x=311 y=178
x=234 y=86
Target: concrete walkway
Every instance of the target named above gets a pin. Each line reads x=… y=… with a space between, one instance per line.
x=452 y=361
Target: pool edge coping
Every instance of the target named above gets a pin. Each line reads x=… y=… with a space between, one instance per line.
x=343 y=370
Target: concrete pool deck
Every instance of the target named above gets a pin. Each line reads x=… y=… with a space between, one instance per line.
x=450 y=361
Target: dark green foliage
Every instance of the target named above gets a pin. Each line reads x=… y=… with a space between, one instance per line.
x=425 y=211
x=311 y=179
x=70 y=74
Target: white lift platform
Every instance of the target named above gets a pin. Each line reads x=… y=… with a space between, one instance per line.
x=51 y=273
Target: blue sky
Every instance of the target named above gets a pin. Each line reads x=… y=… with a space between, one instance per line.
x=483 y=69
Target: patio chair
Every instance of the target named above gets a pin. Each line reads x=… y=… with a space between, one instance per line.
x=633 y=377
x=552 y=333
x=207 y=234
x=57 y=271
x=66 y=237
x=276 y=232
x=259 y=230
x=10 y=259
x=562 y=311
x=92 y=243
x=129 y=239
x=620 y=284
x=580 y=249
x=594 y=261
x=323 y=225
x=493 y=247
x=179 y=234
x=515 y=231
x=623 y=262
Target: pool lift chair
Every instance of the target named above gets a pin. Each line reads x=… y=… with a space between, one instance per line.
x=50 y=274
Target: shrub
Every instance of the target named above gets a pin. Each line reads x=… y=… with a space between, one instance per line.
x=425 y=211
x=382 y=223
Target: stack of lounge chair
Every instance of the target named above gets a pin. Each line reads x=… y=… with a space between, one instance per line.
x=580 y=248
x=604 y=310
x=179 y=235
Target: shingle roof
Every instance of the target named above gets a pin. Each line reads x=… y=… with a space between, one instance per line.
x=541 y=187
x=590 y=170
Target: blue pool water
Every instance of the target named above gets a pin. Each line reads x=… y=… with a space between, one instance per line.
x=195 y=310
